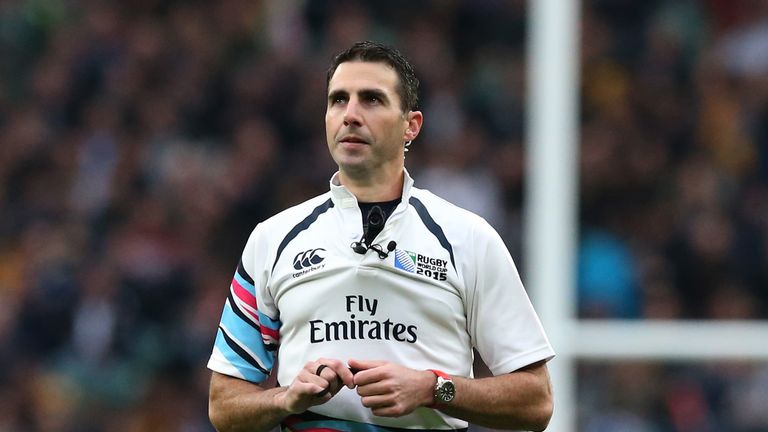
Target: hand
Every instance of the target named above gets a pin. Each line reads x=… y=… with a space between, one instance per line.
x=309 y=388
x=391 y=390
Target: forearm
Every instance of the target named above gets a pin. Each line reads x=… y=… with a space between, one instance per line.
x=237 y=405
x=520 y=401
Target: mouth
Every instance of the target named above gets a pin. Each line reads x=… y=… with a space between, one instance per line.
x=352 y=139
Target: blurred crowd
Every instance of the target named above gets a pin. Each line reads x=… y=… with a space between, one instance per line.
x=674 y=203
x=645 y=396
x=674 y=160
x=141 y=141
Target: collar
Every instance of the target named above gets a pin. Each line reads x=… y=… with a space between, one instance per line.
x=343 y=198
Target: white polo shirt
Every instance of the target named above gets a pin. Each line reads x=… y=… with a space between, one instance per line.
x=449 y=285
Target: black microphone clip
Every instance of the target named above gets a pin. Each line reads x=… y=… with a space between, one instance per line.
x=359 y=247
x=381 y=252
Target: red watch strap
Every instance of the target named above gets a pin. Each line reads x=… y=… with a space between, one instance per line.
x=440 y=373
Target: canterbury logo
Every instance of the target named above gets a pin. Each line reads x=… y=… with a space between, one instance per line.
x=308 y=258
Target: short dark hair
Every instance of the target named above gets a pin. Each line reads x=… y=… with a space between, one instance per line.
x=367 y=51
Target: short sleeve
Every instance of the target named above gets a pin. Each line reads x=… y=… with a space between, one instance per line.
x=249 y=331
x=501 y=321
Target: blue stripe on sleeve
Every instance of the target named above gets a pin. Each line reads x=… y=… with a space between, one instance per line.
x=249 y=372
x=268 y=322
x=245 y=284
x=263 y=318
x=245 y=333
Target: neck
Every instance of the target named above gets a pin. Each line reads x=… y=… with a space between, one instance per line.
x=382 y=188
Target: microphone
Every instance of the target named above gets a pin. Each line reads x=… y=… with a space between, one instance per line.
x=381 y=252
x=359 y=247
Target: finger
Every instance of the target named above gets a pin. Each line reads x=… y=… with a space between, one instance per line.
x=315 y=384
x=326 y=369
x=347 y=377
x=339 y=370
x=313 y=389
x=319 y=370
x=303 y=390
x=365 y=364
x=377 y=402
x=389 y=411
x=369 y=376
x=376 y=388
x=325 y=372
x=333 y=381
x=318 y=381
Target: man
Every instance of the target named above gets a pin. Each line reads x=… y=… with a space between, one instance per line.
x=376 y=321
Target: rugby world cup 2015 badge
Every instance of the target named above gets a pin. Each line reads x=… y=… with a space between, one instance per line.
x=412 y=262
x=405 y=260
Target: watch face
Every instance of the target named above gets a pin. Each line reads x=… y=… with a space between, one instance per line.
x=445 y=391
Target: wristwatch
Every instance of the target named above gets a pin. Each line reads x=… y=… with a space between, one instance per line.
x=445 y=391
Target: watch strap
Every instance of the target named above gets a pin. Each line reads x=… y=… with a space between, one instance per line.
x=439 y=374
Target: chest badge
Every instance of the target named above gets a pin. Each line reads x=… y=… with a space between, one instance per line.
x=308 y=260
x=412 y=262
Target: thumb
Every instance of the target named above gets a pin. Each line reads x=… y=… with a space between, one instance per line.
x=365 y=364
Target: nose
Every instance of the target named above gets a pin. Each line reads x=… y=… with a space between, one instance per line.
x=352 y=114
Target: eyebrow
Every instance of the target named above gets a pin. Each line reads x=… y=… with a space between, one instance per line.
x=332 y=96
x=368 y=93
x=364 y=94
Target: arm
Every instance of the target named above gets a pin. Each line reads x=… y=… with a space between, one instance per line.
x=518 y=400
x=505 y=329
x=238 y=405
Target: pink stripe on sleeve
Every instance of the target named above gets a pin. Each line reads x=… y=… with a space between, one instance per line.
x=243 y=294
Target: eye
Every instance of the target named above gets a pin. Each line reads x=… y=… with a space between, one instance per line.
x=373 y=97
x=337 y=98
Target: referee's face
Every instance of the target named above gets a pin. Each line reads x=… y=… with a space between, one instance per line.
x=364 y=123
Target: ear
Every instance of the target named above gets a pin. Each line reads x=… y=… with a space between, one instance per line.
x=415 y=119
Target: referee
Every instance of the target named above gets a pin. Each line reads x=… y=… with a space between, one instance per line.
x=372 y=296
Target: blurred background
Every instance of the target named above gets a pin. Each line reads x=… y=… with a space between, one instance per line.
x=140 y=142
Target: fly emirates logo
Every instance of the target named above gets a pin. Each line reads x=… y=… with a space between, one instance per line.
x=361 y=325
